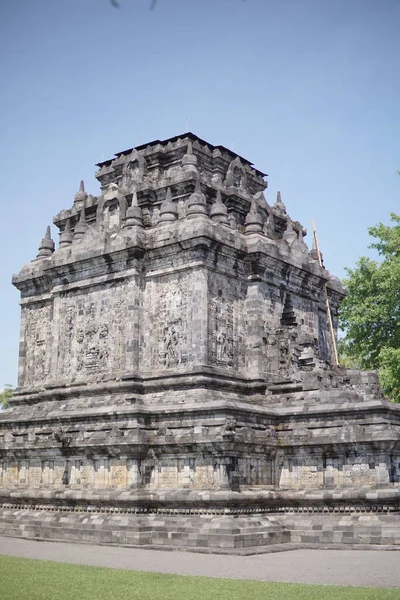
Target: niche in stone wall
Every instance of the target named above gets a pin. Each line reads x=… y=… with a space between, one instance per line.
x=254 y=471
x=111 y=214
x=133 y=171
x=236 y=175
x=111 y=209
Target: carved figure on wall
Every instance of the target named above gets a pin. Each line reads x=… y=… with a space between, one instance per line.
x=170 y=314
x=93 y=353
x=288 y=352
x=171 y=346
x=85 y=326
x=222 y=347
x=229 y=426
x=38 y=336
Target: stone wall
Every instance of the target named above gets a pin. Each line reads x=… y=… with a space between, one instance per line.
x=175 y=356
x=209 y=472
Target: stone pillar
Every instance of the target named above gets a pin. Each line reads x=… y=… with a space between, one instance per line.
x=382 y=469
x=133 y=472
x=221 y=473
x=187 y=479
x=75 y=477
x=132 y=324
x=200 y=317
x=254 y=304
x=101 y=477
x=45 y=473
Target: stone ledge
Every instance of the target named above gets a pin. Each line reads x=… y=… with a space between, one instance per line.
x=339 y=500
x=216 y=534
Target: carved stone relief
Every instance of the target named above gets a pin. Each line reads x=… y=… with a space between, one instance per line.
x=204 y=476
x=170 y=317
x=118 y=474
x=38 y=344
x=35 y=473
x=222 y=346
x=92 y=332
x=12 y=474
x=225 y=338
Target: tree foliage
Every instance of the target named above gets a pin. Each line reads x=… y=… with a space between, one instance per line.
x=6 y=395
x=370 y=314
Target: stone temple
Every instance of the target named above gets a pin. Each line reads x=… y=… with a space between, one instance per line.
x=176 y=381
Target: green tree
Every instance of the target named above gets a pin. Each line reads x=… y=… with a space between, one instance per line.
x=5 y=395
x=370 y=314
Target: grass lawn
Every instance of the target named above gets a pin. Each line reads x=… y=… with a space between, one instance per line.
x=27 y=579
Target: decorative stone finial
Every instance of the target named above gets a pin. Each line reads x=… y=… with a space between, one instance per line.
x=46 y=247
x=80 y=195
x=134 y=213
x=197 y=204
x=189 y=161
x=279 y=204
x=66 y=235
x=168 y=209
x=219 y=212
x=254 y=221
x=289 y=234
x=81 y=226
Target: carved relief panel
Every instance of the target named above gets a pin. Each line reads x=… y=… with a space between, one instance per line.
x=92 y=327
x=38 y=344
x=168 y=336
x=225 y=324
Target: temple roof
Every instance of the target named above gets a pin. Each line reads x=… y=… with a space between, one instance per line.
x=182 y=136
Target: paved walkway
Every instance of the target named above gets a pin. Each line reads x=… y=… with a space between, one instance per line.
x=369 y=568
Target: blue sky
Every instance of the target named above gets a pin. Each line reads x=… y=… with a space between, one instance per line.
x=308 y=90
